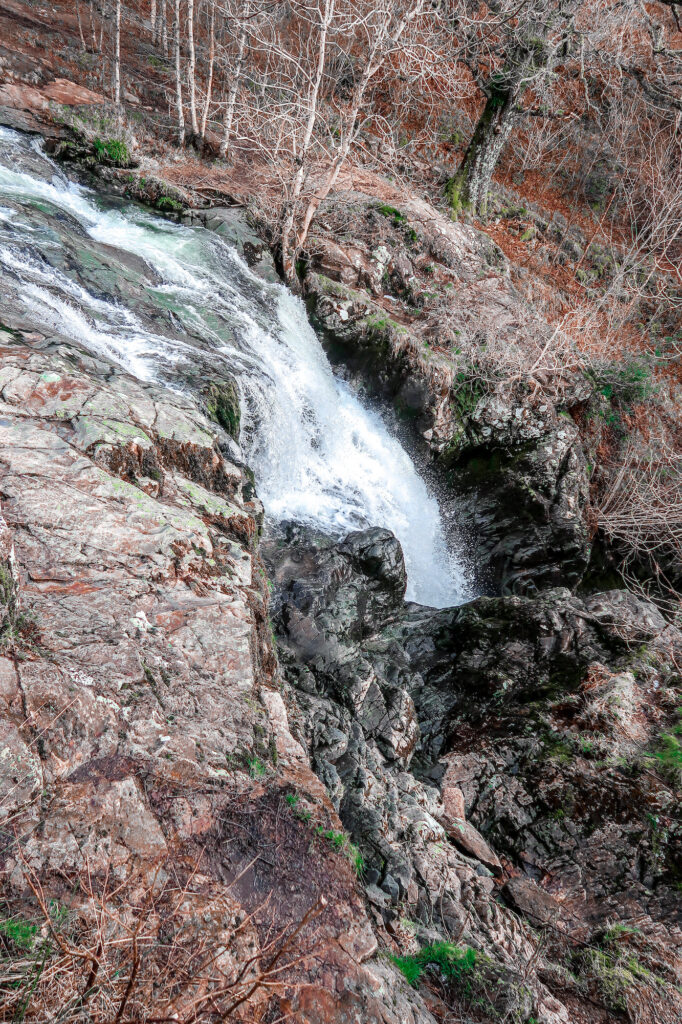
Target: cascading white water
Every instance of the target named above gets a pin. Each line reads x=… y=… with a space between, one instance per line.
x=319 y=456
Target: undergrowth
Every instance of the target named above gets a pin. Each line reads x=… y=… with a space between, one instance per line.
x=452 y=962
x=113 y=151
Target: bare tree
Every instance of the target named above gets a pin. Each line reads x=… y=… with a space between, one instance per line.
x=191 y=66
x=211 y=64
x=117 y=55
x=507 y=47
x=178 y=76
x=323 y=14
x=241 y=20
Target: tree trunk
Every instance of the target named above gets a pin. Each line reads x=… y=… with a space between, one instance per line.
x=468 y=189
x=162 y=29
x=209 y=84
x=531 y=60
x=381 y=46
x=287 y=255
x=80 y=25
x=234 y=86
x=117 y=56
x=178 y=79
x=191 y=62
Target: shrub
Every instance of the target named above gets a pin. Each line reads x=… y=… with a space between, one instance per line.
x=168 y=204
x=627 y=382
x=19 y=932
x=669 y=756
x=256 y=768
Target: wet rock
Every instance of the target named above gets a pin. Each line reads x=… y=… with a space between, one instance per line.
x=222 y=404
x=141 y=738
x=231 y=223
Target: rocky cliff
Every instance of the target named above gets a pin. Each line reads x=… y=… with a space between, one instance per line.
x=242 y=778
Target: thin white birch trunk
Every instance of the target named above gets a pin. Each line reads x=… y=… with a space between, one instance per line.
x=211 y=61
x=178 y=79
x=191 y=64
x=234 y=89
x=299 y=177
x=117 y=56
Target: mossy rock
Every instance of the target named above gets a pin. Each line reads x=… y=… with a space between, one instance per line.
x=222 y=404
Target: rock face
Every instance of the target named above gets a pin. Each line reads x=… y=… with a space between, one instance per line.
x=464 y=752
x=145 y=748
x=231 y=224
x=485 y=796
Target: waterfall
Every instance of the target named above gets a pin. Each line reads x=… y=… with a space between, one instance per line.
x=168 y=303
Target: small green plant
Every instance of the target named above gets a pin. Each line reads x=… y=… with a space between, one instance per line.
x=626 y=382
x=669 y=754
x=395 y=215
x=619 y=931
x=20 y=933
x=168 y=205
x=452 y=962
x=111 y=150
x=343 y=844
x=339 y=840
x=613 y=975
x=256 y=768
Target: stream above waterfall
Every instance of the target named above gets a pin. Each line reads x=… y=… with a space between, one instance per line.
x=172 y=303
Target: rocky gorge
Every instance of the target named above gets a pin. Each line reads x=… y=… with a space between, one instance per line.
x=243 y=777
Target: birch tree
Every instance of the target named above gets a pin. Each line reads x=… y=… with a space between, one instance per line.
x=178 y=76
x=191 y=68
x=243 y=13
x=211 y=65
x=117 y=55
x=323 y=14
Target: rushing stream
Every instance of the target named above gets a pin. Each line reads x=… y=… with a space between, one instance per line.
x=168 y=303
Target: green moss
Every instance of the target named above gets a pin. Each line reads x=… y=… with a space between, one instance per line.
x=222 y=403
x=390 y=211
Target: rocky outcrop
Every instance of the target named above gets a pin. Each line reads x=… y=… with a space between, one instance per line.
x=413 y=304
x=148 y=771
x=232 y=225
x=464 y=751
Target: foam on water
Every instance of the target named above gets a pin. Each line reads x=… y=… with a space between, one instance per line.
x=319 y=455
